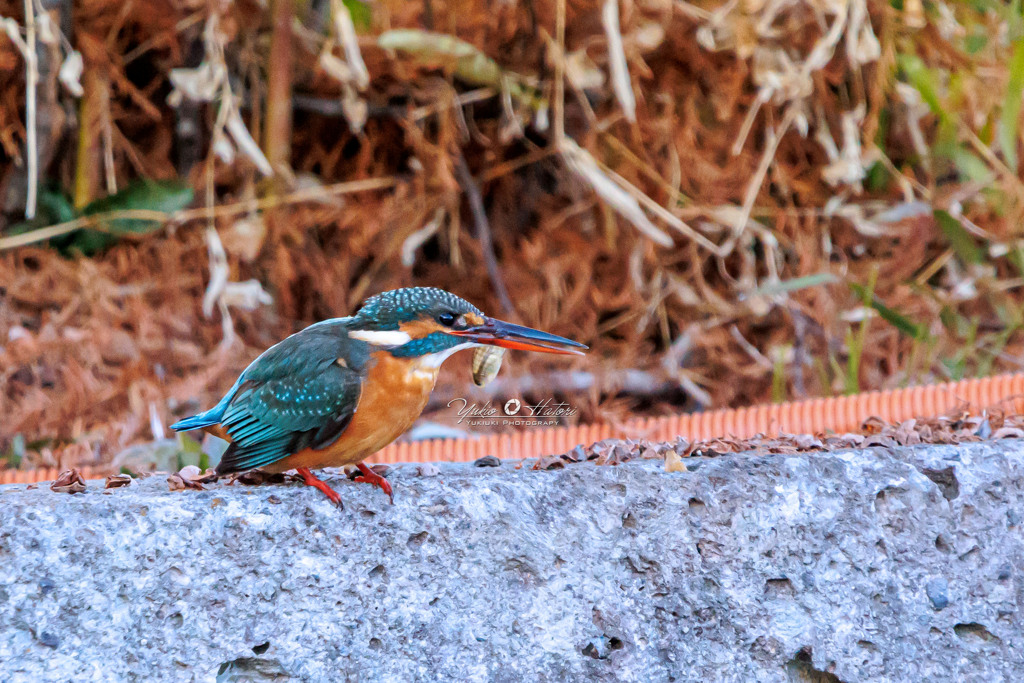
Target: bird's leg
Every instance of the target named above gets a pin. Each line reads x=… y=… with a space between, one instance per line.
x=310 y=479
x=370 y=477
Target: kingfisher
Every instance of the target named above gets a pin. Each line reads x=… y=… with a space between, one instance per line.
x=342 y=389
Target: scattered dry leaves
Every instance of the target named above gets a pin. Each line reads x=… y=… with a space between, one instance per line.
x=69 y=481
x=190 y=477
x=116 y=481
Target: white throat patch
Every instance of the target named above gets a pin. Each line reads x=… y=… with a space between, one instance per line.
x=381 y=337
x=432 y=361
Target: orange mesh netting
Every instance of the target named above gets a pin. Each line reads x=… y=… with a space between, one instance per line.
x=839 y=415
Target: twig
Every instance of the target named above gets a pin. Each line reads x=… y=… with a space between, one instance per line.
x=617 y=63
x=447 y=102
x=107 y=135
x=671 y=188
x=754 y=187
x=418 y=238
x=277 y=134
x=663 y=213
x=621 y=198
x=994 y=161
x=693 y=11
x=512 y=165
x=217 y=256
x=148 y=44
x=31 y=81
x=559 y=104
x=751 y=350
x=97 y=221
x=483 y=229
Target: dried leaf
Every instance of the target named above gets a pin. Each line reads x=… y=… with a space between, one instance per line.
x=116 y=481
x=244 y=140
x=549 y=462
x=186 y=478
x=346 y=31
x=69 y=481
x=200 y=84
x=70 y=73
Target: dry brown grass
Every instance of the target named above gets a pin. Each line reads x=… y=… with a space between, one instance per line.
x=768 y=139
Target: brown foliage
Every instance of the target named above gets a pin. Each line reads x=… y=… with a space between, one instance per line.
x=98 y=353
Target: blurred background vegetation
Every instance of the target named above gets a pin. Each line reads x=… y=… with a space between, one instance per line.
x=731 y=202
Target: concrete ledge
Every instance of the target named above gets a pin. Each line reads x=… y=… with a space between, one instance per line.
x=854 y=566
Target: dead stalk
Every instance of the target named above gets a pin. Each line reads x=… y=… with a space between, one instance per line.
x=771 y=145
x=559 y=103
x=31 y=135
x=617 y=63
x=278 y=132
x=97 y=221
x=483 y=230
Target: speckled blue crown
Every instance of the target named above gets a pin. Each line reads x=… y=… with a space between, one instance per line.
x=387 y=310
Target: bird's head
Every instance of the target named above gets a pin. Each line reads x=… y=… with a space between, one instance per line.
x=426 y=321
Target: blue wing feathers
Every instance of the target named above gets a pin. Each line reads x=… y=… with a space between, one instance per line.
x=294 y=396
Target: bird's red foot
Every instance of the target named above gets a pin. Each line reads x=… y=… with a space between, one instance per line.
x=310 y=479
x=370 y=477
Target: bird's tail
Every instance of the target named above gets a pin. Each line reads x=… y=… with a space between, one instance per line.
x=210 y=417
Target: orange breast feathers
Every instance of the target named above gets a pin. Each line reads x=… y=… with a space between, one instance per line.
x=394 y=393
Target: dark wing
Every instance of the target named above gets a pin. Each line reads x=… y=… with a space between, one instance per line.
x=285 y=405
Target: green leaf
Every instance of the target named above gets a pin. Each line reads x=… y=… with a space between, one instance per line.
x=877 y=177
x=17 y=451
x=959 y=239
x=53 y=207
x=924 y=81
x=976 y=42
x=1016 y=258
x=890 y=315
x=969 y=164
x=362 y=14
x=992 y=353
x=1015 y=20
x=855 y=348
x=1008 y=122
x=165 y=196
x=190 y=452
x=795 y=284
x=955 y=368
x=57 y=206
x=779 y=375
x=468 y=62
x=465 y=61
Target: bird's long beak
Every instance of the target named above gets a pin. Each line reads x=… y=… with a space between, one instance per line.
x=510 y=336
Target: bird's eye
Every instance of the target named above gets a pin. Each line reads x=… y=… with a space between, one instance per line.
x=446 y=319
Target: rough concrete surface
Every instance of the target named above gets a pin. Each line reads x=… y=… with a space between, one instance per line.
x=877 y=565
